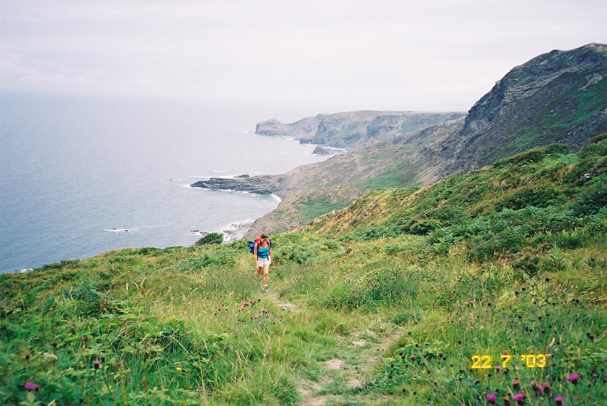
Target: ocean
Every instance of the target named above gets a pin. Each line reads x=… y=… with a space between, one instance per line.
x=81 y=176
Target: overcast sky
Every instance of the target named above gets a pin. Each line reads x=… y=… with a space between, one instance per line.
x=333 y=55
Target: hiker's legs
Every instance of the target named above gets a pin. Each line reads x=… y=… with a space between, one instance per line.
x=258 y=269
x=266 y=269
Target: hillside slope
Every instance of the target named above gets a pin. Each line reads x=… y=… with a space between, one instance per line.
x=557 y=97
x=487 y=283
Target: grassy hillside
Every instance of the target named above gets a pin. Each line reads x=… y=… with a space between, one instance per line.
x=395 y=300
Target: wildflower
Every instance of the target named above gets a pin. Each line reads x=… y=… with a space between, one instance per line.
x=96 y=364
x=260 y=322
x=440 y=354
x=31 y=386
x=547 y=387
x=507 y=401
x=245 y=304
x=498 y=368
x=412 y=357
x=595 y=375
x=259 y=299
x=559 y=401
x=491 y=398
x=178 y=368
x=516 y=384
x=254 y=317
x=519 y=398
x=573 y=378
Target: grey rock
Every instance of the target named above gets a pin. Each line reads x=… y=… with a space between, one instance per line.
x=262 y=185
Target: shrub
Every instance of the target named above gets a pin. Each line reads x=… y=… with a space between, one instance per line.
x=212 y=238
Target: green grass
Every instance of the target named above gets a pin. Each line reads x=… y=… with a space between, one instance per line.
x=509 y=258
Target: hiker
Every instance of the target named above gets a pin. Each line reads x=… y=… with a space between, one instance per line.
x=263 y=258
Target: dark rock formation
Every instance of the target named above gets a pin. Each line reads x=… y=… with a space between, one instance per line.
x=262 y=185
x=321 y=151
x=557 y=97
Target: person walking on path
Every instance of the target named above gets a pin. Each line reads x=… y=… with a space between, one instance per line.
x=263 y=258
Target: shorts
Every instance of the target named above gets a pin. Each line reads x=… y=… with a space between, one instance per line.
x=263 y=261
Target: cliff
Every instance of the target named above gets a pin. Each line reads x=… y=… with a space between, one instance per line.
x=354 y=129
x=557 y=97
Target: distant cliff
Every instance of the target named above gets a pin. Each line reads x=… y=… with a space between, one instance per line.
x=354 y=129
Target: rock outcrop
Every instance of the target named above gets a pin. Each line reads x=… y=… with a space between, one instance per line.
x=258 y=184
x=557 y=97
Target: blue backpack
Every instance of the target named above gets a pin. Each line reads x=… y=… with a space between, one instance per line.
x=252 y=243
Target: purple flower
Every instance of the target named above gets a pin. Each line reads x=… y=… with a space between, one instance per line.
x=245 y=304
x=573 y=378
x=255 y=317
x=31 y=386
x=96 y=364
x=260 y=322
x=491 y=398
x=519 y=398
x=498 y=368
x=440 y=354
x=259 y=299
x=559 y=401
x=412 y=357
x=595 y=375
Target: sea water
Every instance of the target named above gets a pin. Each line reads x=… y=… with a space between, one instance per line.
x=81 y=176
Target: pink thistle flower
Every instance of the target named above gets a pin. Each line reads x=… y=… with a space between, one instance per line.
x=519 y=398
x=498 y=368
x=31 y=386
x=260 y=322
x=491 y=398
x=259 y=299
x=412 y=357
x=96 y=364
x=255 y=317
x=245 y=304
x=559 y=401
x=573 y=378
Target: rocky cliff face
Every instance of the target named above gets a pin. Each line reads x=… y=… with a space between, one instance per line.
x=354 y=129
x=557 y=97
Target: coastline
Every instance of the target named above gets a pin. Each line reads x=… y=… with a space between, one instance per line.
x=236 y=230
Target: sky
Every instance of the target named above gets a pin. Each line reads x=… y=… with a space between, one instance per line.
x=329 y=55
